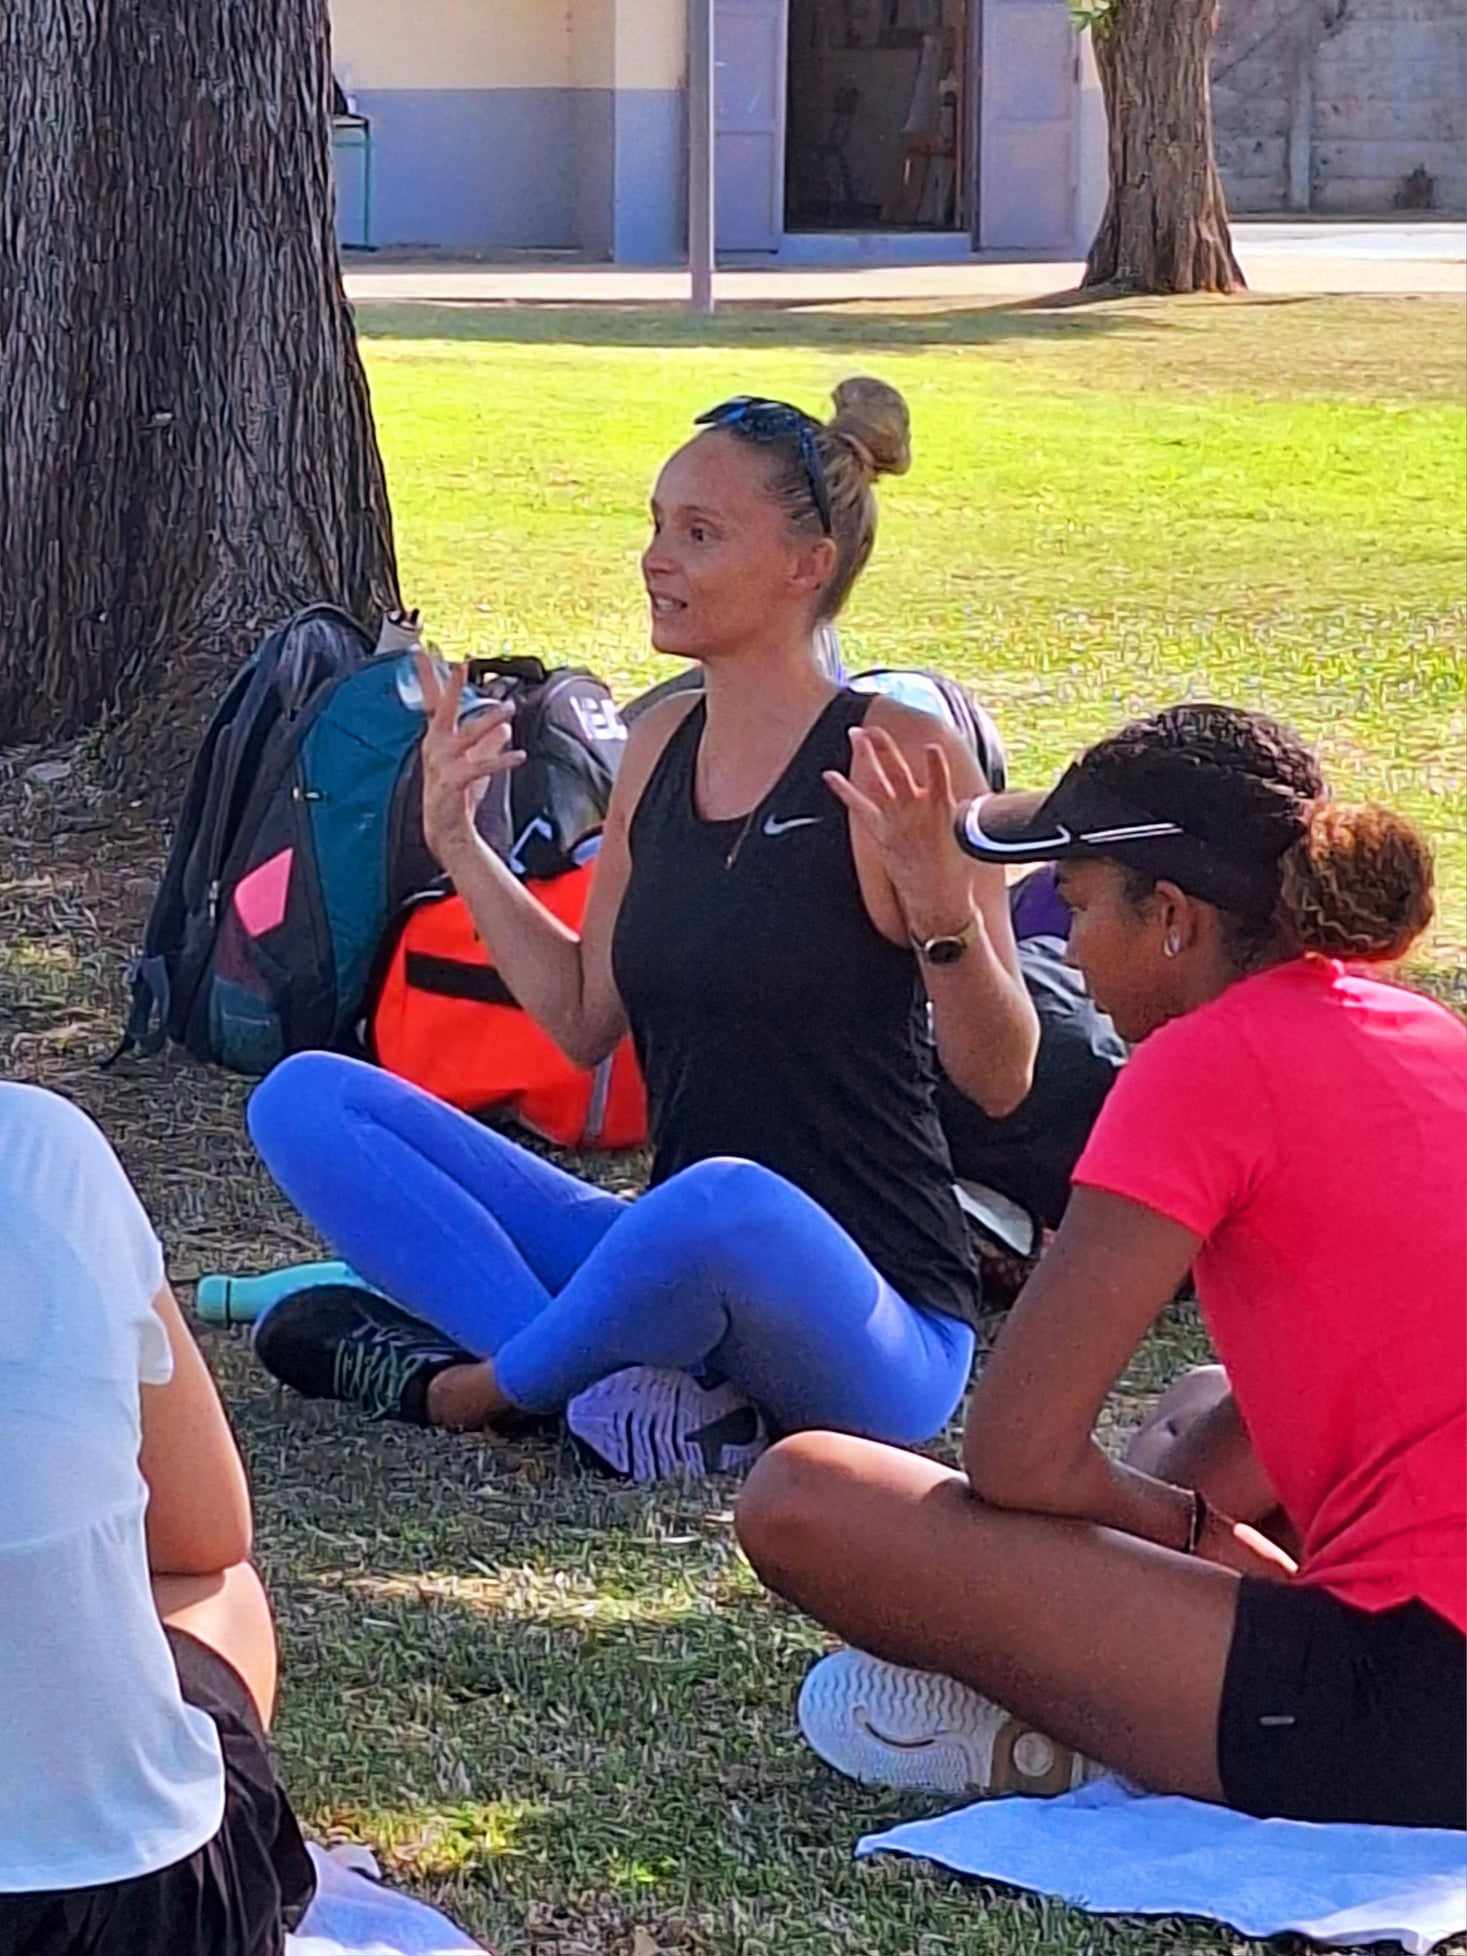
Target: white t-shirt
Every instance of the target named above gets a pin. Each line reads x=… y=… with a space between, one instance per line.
x=105 y=1773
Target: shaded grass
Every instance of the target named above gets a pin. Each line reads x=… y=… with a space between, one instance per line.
x=559 y=1708
x=547 y=1700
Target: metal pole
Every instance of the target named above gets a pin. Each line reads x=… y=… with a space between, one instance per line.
x=702 y=117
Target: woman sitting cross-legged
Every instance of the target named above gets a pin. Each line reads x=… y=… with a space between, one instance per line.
x=772 y=936
x=1294 y=1130
x=140 y=1814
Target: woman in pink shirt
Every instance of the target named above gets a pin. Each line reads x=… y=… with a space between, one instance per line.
x=1272 y=1616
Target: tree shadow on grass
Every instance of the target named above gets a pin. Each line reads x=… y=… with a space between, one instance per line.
x=561 y=1708
x=909 y=325
x=561 y=1751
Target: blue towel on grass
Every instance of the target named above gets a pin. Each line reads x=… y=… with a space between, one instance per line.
x=353 y=1916
x=1119 y=1853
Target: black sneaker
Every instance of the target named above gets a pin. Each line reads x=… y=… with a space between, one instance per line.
x=336 y=1341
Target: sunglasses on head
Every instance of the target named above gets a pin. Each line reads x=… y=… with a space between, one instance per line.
x=754 y=419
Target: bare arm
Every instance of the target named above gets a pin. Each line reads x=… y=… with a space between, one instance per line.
x=908 y=774
x=1030 y=1440
x=562 y=977
x=199 y=1520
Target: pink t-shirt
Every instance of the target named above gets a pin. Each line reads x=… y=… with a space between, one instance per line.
x=1310 y=1125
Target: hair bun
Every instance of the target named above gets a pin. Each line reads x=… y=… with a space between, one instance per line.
x=873 y=419
x=1357 y=884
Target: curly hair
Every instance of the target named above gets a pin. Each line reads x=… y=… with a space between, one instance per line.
x=1357 y=884
x=1351 y=882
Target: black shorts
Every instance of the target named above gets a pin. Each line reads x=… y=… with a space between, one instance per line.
x=236 y=1896
x=1335 y=1713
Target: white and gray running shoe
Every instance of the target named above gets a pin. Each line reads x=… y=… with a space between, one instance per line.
x=886 y=1725
x=651 y=1424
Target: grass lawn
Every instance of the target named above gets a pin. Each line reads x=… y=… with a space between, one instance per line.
x=562 y=1709
x=1110 y=507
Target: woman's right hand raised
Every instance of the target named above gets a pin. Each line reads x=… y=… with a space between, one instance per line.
x=458 y=762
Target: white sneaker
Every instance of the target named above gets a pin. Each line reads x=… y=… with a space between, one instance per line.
x=886 y=1725
x=647 y=1424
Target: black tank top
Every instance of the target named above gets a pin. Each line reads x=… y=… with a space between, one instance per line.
x=774 y=1021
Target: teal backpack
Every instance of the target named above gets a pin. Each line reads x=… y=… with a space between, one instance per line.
x=301 y=836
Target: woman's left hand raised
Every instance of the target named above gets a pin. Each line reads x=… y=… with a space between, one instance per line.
x=911 y=823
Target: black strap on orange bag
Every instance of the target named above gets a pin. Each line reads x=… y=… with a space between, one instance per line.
x=442 y=1016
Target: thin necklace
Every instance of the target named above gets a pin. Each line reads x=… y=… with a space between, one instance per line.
x=736 y=847
x=742 y=837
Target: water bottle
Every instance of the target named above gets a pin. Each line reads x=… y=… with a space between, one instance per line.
x=240 y=1300
x=410 y=687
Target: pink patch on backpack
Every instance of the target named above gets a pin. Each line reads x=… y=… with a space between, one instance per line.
x=259 y=898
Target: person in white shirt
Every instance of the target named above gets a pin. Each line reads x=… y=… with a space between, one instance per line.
x=139 y=1808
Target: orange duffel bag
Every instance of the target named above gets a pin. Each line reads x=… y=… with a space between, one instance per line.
x=441 y=1016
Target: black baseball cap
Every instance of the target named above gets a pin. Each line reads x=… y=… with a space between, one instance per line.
x=1083 y=817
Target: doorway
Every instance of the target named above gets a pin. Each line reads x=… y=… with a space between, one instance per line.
x=878 y=120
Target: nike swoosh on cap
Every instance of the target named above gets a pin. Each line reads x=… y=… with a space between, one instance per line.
x=775 y=827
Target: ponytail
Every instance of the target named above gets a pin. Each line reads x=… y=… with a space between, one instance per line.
x=1357 y=884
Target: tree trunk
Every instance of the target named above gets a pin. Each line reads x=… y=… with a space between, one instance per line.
x=186 y=440
x=1166 y=225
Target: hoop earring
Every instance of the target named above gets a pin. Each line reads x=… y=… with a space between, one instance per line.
x=1172 y=944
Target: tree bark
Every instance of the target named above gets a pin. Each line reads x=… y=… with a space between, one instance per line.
x=186 y=441
x=1166 y=225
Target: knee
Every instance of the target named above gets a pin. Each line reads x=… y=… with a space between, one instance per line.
x=741 y=1208
x=290 y=1102
x=782 y=1517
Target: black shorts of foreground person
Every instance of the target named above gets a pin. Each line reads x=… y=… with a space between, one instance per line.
x=1265 y=1606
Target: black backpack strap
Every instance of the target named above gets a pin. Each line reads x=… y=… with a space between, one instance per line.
x=147 y=1017
x=451 y=978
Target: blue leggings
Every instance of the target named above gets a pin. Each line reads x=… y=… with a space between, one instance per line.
x=726 y=1269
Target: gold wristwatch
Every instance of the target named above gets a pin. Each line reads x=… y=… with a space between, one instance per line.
x=949 y=947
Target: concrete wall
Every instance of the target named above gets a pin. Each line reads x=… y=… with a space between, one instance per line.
x=651 y=155
x=1329 y=105
x=593 y=82
x=520 y=124
x=473 y=119
x=517 y=124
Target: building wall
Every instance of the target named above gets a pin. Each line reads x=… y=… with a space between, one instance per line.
x=1331 y=105
x=593 y=111
x=651 y=161
x=519 y=124
x=562 y=124
x=474 y=119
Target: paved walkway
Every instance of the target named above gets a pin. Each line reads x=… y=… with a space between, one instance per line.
x=1379 y=258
